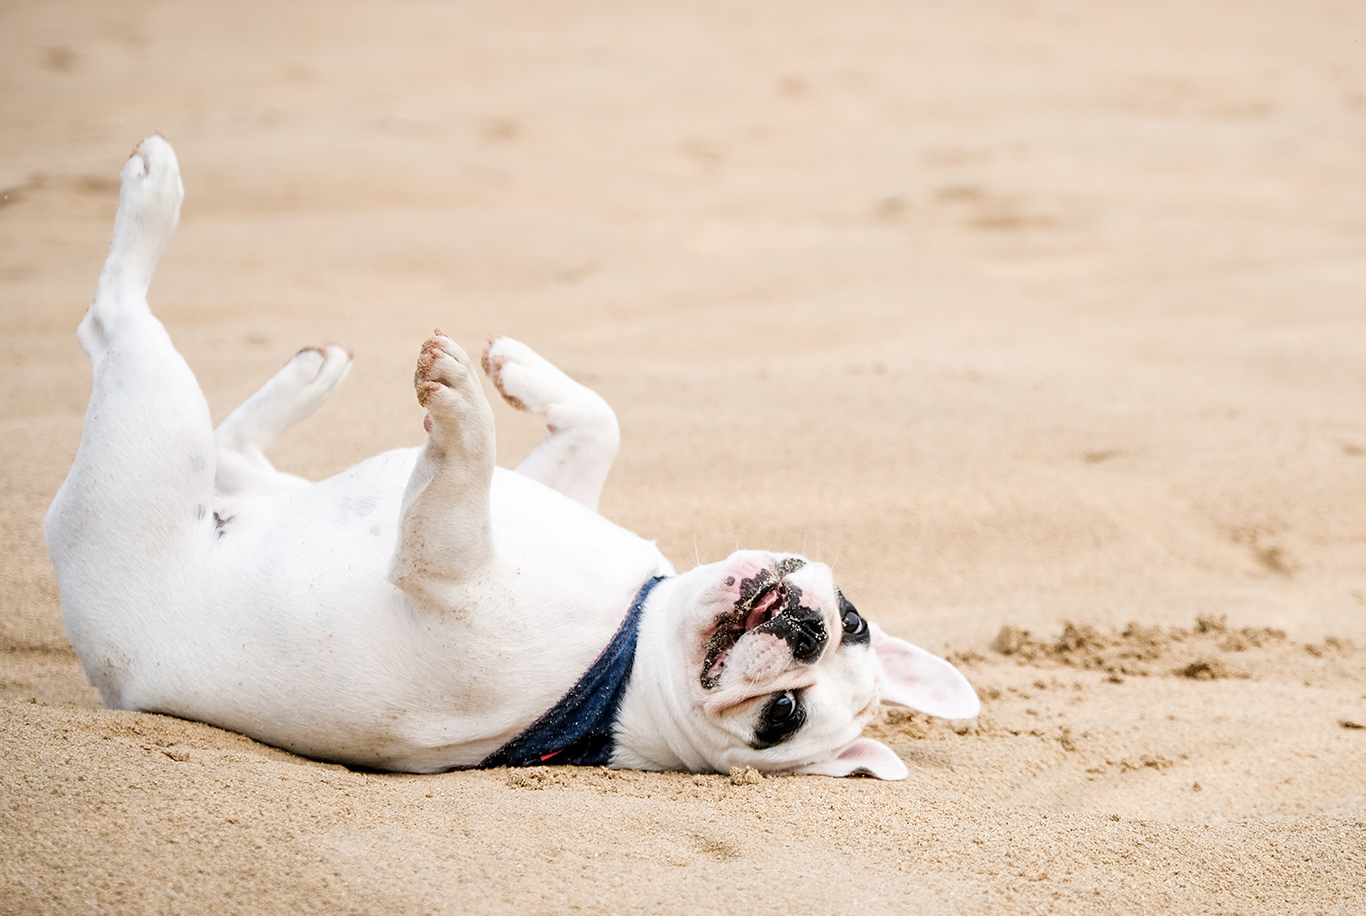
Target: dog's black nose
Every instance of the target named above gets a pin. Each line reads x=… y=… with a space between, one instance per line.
x=804 y=630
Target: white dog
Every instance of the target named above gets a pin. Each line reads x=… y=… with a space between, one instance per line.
x=423 y=610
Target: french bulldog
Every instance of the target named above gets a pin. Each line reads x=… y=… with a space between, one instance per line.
x=425 y=610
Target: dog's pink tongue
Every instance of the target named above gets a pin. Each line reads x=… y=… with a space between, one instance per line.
x=762 y=612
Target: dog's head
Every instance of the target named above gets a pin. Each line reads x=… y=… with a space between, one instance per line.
x=760 y=661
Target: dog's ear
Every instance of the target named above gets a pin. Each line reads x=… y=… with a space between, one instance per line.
x=921 y=681
x=864 y=757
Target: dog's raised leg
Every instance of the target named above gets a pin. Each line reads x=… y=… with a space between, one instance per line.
x=293 y=393
x=137 y=500
x=577 y=455
x=445 y=532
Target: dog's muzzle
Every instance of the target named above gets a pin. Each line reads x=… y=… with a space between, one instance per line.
x=803 y=629
x=773 y=606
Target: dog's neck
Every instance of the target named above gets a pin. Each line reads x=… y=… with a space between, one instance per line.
x=630 y=709
x=579 y=729
x=652 y=730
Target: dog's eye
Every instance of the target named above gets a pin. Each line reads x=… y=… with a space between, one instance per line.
x=782 y=716
x=855 y=627
x=783 y=707
x=853 y=623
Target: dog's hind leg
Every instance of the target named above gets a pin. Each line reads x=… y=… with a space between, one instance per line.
x=300 y=388
x=445 y=529
x=135 y=508
x=576 y=456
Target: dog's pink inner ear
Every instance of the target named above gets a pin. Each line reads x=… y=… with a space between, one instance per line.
x=921 y=681
x=864 y=757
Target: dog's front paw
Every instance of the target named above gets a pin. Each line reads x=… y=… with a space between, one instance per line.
x=583 y=435
x=440 y=370
x=446 y=383
x=525 y=379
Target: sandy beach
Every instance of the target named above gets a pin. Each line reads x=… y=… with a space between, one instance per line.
x=1044 y=323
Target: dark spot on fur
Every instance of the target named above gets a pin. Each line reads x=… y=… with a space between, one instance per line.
x=730 y=626
x=802 y=628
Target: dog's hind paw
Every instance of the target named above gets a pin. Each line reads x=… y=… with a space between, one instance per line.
x=149 y=208
x=149 y=200
x=298 y=389
x=311 y=376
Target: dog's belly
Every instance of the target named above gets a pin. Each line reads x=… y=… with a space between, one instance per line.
x=288 y=630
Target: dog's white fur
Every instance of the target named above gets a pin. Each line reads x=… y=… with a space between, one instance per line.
x=419 y=610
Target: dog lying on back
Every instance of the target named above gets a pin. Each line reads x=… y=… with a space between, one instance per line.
x=425 y=610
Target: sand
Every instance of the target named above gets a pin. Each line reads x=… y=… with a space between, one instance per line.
x=1042 y=322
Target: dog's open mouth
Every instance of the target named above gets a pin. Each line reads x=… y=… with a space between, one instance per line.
x=761 y=599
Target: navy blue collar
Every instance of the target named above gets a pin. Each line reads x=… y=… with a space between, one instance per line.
x=577 y=730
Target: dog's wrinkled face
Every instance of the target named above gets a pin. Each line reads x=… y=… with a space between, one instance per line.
x=776 y=663
x=783 y=673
